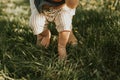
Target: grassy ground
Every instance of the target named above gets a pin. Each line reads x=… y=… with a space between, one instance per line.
x=97 y=56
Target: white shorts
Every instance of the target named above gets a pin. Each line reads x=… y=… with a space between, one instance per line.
x=62 y=18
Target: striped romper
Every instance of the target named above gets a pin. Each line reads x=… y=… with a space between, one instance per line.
x=61 y=17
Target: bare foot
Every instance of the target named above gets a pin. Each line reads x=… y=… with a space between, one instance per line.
x=46 y=41
x=72 y=39
x=39 y=38
x=43 y=39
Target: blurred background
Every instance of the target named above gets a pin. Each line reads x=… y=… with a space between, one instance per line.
x=96 y=57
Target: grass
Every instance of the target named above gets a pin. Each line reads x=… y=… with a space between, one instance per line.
x=96 y=57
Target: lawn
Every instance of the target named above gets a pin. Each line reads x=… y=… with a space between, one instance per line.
x=96 y=57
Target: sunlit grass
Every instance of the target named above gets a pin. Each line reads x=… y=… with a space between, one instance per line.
x=96 y=57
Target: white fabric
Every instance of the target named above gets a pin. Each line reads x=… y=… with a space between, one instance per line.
x=62 y=18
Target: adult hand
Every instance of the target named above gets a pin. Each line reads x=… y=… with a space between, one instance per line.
x=72 y=3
